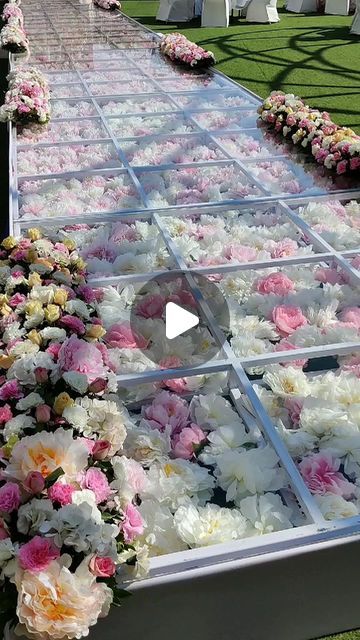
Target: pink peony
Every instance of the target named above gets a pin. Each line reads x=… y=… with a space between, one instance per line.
x=294 y=407
x=11 y=390
x=178 y=385
x=133 y=524
x=37 y=554
x=82 y=357
x=151 y=306
x=284 y=248
x=185 y=442
x=102 y=567
x=74 y=324
x=287 y=319
x=351 y=315
x=167 y=410
x=34 y=482
x=122 y=336
x=352 y=364
x=240 y=253
x=61 y=493
x=330 y=276
x=97 y=481
x=10 y=497
x=277 y=283
x=321 y=474
x=5 y=414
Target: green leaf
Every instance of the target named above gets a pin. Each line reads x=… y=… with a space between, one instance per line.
x=53 y=477
x=119 y=596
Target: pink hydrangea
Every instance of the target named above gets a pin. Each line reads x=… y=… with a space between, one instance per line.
x=97 y=481
x=277 y=283
x=167 y=410
x=185 y=442
x=10 y=497
x=37 y=554
x=61 y=493
x=133 y=524
x=82 y=357
x=122 y=336
x=321 y=474
x=287 y=319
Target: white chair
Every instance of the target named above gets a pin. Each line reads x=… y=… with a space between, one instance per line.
x=215 y=13
x=337 y=7
x=240 y=6
x=175 y=10
x=302 y=6
x=355 y=27
x=262 y=11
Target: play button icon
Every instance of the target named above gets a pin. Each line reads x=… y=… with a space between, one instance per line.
x=170 y=323
x=178 y=320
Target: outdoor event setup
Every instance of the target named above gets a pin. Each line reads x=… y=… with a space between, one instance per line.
x=203 y=467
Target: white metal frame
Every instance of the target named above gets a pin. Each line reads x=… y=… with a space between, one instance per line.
x=48 y=18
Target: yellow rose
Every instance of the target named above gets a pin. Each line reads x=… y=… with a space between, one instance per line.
x=62 y=401
x=5 y=310
x=60 y=297
x=34 y=234
x=33 y=307
x=80 y=264
x=6 y=361
x=70 y=244
x=34 y=279
x=3 y=299
x=34 y=337
x=9 y=243
x=52 y=313
x=95 y=331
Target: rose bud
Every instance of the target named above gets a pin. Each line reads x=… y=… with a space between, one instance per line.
x=34 y=482
x=102 y=567
x=98 y=385
x=43 y=413
x=101 y=449
x=41 y=375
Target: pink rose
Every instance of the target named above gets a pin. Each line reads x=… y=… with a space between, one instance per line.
x=151 y=306
x=185 y=443
x=167 y=410
x=287 y=319
x=43 y=413
x=61 y=493
x=4 y=533
x=34 y=482
x=133 y=524
x=101 y=449
x=10 y=497
x=74 y=324
x=351 y=315
x=277 y=283
x=37 y=554
x=122 y=336
x=5 y=414
x=321 y=474
x=97 y=481
x=102 y=567
x=285 y=345
x=11 y=390
x=82 y=357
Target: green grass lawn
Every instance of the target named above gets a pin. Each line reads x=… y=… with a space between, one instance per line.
x=313 y=56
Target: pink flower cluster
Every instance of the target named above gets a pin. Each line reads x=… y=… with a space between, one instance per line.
x=27 y=98
x=182 y=51
x=337 y=148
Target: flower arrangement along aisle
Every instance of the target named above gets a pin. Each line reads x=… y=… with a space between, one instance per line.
x=13 y=37
x=182 y=51
x=11 y=10
x=335 y=147
x=108 y=4
x=65 y=524
x=27 y=98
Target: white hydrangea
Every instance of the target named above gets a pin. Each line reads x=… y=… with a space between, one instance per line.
x=33 y=514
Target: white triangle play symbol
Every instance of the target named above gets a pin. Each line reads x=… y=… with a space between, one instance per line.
x=178 y=320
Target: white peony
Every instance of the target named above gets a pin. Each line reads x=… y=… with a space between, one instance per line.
x=159 y=534
x=266 y=513
x=204 y=526
x=287 y=381
x=172 y=482
x=333 y=507
x=213 y=411
x=224 y=439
